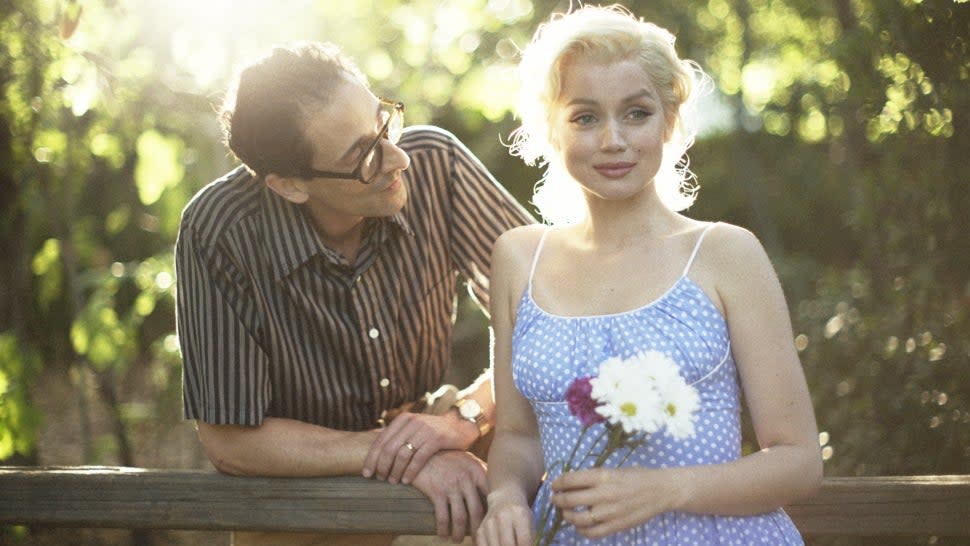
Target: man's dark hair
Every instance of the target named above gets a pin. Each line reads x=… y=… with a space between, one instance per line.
x=264 y=115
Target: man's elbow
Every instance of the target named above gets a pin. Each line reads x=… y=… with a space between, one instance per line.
x=222 y=452
x=225 y=464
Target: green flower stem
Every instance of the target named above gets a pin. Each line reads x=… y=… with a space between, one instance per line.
x=543 y=539
x=617 y=439
x=633 y=442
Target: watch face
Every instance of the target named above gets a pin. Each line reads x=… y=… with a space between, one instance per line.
x=469 y=409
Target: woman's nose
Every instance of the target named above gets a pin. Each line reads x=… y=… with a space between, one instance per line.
x=613 y=137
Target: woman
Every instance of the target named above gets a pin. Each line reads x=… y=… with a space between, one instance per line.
x=603 y=97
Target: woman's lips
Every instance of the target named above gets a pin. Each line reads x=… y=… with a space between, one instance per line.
x=614 y=170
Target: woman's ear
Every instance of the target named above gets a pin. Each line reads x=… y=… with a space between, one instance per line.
x=291 y=189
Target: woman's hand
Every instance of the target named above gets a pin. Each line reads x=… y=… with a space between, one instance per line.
x=508 y=522
x=603 y=501
x=404 y=447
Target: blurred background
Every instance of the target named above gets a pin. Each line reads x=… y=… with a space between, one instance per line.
x=837 y=132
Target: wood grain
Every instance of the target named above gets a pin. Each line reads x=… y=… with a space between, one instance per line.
x=199 y=500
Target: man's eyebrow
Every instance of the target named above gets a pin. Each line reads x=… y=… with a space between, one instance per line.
x=360 y=142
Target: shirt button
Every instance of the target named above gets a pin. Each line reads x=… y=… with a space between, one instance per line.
x=385 y=382
x=374 y=333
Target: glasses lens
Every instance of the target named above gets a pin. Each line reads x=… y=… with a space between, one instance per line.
x=371 y=165
x=396 y=125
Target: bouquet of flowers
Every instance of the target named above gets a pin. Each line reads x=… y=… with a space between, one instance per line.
x=633 y=398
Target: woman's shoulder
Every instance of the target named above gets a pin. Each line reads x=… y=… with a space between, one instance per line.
x=514 y=250
x=732 y=255
x=729 y=242
x=521 y=238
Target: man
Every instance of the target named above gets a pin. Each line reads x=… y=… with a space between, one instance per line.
x=317 y=284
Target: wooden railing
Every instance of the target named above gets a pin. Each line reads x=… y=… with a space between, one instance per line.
x=199 y=500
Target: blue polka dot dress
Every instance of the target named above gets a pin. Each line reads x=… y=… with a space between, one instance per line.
x=551 y=351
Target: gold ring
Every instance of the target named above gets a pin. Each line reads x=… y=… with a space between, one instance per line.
x=592 y=516
x=410 y=447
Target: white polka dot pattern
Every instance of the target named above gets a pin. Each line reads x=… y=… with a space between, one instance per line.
x=550 y=351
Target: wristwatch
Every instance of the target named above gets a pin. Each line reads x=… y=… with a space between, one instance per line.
x=470 y=410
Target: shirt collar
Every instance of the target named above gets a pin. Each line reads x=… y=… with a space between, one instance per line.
x=401 y=221
x=291 y=239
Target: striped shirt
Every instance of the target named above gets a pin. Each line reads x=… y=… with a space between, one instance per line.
x=272 y=323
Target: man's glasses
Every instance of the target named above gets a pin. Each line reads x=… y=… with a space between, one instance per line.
x=370 y=164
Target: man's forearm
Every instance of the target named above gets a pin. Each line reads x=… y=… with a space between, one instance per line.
x=284 y=447
x=481 y=391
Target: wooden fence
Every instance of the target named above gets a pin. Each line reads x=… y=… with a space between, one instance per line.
x=114 y=497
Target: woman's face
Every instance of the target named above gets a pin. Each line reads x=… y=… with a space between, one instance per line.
x=608 y=126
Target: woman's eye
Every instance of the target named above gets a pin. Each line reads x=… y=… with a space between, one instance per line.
x=639 y=114
x=584 y=119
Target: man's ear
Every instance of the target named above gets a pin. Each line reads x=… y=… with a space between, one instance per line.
x=291 y=189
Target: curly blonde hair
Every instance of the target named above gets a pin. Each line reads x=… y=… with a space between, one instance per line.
x=610 y=33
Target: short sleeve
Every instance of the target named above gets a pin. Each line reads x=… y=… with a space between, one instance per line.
x=224 y=367
x=481 y=210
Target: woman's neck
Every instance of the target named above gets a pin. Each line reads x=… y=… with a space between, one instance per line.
x=615 y=224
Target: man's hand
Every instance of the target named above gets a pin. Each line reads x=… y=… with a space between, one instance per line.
x=455 y=483
x=403 y=449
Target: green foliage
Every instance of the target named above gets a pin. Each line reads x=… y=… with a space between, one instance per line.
x=900 y=382
x=106 y=331
x=18 y=420
x=96 y=186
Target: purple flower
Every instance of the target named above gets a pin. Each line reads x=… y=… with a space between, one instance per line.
x=581 y=403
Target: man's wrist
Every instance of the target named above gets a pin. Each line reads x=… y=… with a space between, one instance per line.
x=468 y=430
x=470 y=410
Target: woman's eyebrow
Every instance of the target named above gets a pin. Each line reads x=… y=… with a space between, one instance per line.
x=643 y=93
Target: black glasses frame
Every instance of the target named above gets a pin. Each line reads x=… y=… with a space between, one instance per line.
x=357 y=174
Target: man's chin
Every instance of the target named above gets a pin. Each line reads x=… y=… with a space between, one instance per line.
x=393 y=202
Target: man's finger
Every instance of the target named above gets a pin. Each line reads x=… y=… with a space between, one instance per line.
x=420 y=458
x=400 y=461
x=459 y=517
x=376 y=455
x=473 y=502
x=441 y=515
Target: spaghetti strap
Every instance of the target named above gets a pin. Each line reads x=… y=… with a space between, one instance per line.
x=697 y=246
x=535 y=258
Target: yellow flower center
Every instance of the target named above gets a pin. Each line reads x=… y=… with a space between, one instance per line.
x=671 y=409
x=629 y=409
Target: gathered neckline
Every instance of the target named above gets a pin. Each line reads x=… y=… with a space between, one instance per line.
x=683 y=277
x=680 y=280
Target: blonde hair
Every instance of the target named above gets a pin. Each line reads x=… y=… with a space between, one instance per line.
x=610 y=33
